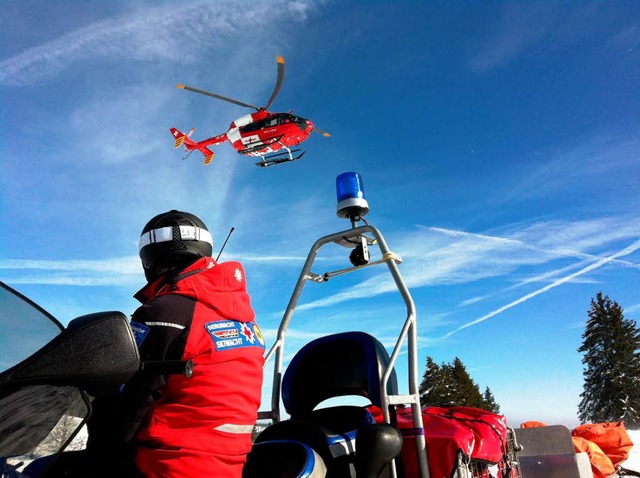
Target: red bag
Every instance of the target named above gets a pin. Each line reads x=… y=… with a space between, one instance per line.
x=489 y=430
x=449 y=432
x=444 y=439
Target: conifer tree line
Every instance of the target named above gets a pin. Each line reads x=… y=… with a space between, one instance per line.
x=611 y=391
x=450 y=384
x=611 y=347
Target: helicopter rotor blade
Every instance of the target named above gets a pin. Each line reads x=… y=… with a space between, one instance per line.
x=276 y=90
x=219 y=97
x=323 y=133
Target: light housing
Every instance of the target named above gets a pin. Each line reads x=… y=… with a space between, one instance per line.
x=350 y=192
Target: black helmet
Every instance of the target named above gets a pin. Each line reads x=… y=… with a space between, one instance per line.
x=173 y=239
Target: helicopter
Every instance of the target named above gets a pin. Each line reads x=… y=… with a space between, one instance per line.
x=269 y=136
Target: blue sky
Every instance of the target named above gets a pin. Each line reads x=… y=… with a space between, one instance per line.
x=498 y=143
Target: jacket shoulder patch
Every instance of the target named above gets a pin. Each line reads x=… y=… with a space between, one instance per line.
x=231 y=334
x=140 y=331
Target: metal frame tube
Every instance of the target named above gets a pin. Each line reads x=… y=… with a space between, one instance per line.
x=408 y=332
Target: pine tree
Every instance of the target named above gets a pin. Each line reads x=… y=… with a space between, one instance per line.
x=490 y=403
x=466 y=393
x=429 y=382
x=435 y=384
x=611 y=347
x=450 y=384
x=447 y=387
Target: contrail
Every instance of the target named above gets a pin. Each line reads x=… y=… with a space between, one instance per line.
x=516 y=242
x=624 y=252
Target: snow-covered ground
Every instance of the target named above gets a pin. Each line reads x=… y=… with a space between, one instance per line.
x=633 y=462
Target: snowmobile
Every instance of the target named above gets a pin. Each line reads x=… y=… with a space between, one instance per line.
x=49 y=375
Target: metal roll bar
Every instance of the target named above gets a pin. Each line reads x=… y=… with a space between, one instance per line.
x=408 y=332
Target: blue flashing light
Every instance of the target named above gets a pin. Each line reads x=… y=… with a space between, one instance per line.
x=349 y=185
x=351 y=199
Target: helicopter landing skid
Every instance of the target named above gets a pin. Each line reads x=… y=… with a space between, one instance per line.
x=279 y=158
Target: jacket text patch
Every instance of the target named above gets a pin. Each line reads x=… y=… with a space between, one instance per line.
x=230 y=334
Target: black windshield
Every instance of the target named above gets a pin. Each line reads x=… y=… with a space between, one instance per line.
x=24 y=327
x=35 y=420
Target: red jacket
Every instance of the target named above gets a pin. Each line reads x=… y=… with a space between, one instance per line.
x=200 y=426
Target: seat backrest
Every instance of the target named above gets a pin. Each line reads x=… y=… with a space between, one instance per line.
x=349 y=363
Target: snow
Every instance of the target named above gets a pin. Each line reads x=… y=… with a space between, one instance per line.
x=633 y=462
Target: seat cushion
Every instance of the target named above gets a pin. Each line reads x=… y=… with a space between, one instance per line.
x=283 y=459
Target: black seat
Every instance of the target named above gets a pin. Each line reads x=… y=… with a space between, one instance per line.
x=283 y=458
x=345 y=364
x=349 y=363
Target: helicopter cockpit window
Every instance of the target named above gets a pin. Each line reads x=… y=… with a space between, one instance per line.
x=274 y=120
x=255 y=126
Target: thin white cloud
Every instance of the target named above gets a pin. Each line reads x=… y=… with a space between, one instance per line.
x=577 y=169
x=521 y=26
x=605 y=260
x=552 y=237
x=526 y=27
x=292 y=333
x=104 y=272
x=550 y=276
x=462 y=261
x=124 y=265
x=471 y=301
x=76 y=280
x=257 y=259
x=185 y=30
x=80 y=273
x=119 y=125
x=545 y=277
x=430 y=261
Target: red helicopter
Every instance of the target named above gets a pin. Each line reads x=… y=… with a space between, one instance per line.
x=270 y=136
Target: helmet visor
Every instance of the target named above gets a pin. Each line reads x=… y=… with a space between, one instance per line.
x=164 y=234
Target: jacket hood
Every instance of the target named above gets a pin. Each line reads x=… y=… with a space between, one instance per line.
x=219 y=286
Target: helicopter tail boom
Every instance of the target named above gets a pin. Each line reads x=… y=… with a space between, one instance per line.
x=182 y=139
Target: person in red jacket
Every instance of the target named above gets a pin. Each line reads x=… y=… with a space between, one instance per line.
x=193 y=308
